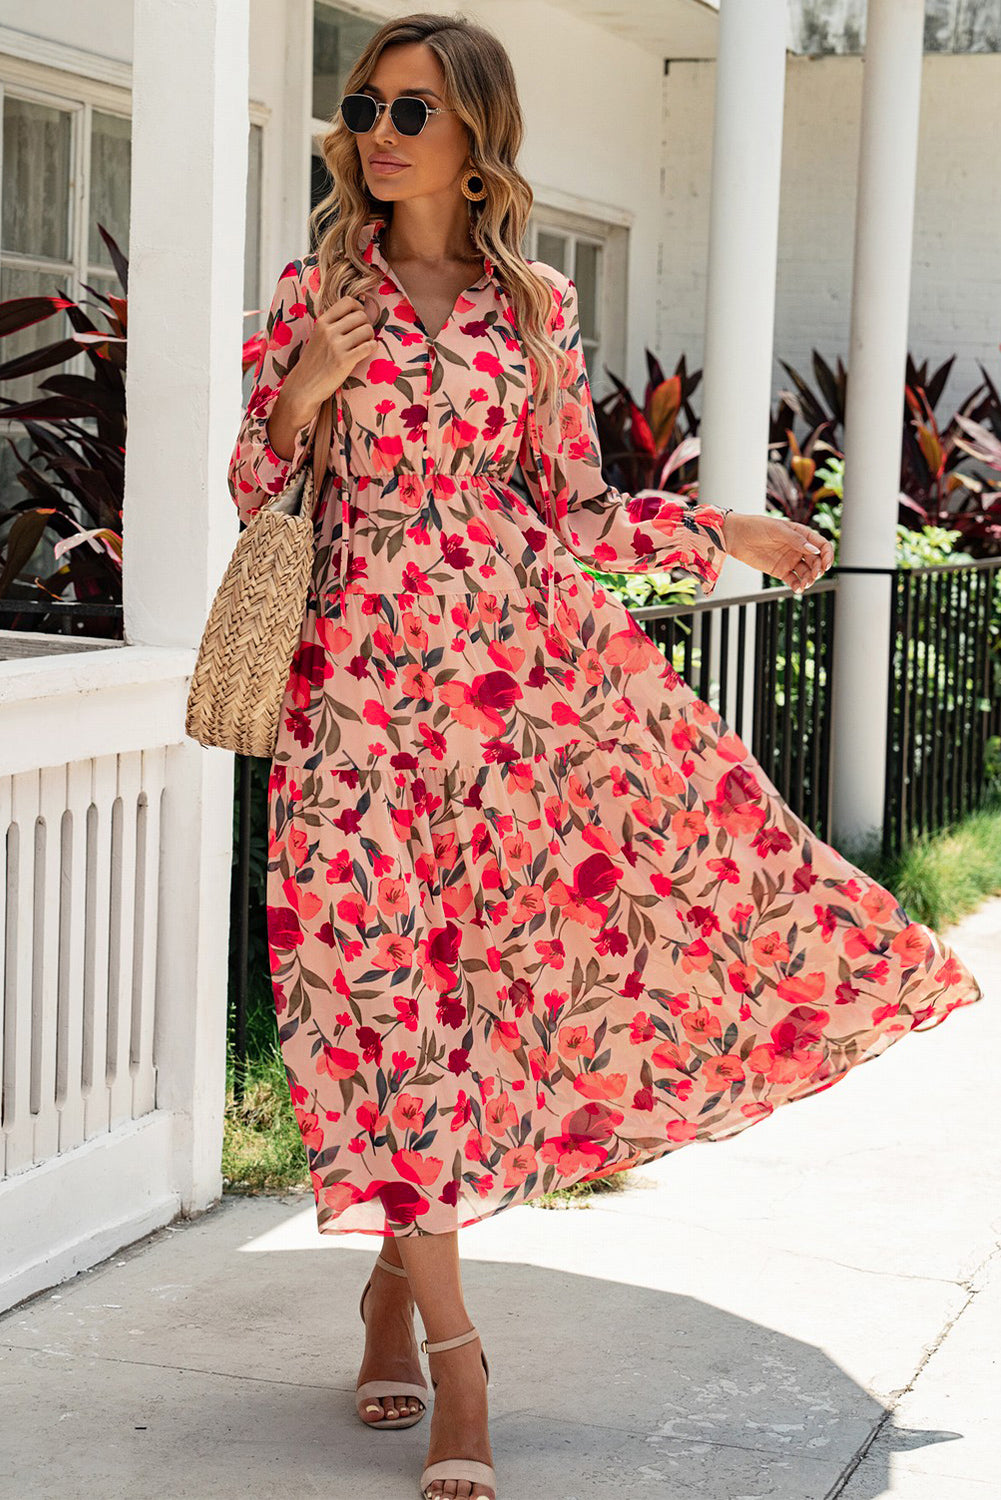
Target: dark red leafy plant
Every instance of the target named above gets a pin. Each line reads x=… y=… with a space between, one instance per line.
x=73 y=472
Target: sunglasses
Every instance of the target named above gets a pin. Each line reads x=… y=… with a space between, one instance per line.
x=408 y=113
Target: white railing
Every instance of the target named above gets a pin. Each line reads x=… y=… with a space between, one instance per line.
x=100 y=800
x=80 y=951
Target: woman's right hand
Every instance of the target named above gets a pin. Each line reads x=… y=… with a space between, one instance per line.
x=340 y=339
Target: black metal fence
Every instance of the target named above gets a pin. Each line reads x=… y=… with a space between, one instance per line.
x=944 y=695
x=788 y=681
x=58 y=616
x=944 y=708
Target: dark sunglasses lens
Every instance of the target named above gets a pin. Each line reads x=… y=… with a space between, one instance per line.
x=358 y=112
x=409 y=115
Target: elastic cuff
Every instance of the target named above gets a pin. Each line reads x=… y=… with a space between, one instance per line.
x=303 y=440
x=274 y=469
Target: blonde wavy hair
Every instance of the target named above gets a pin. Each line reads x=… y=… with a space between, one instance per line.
x=480 y=87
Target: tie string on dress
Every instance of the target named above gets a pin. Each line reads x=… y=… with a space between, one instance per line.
x=341 y=447
x=532 y=425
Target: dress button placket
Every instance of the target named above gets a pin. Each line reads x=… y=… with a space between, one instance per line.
x=429 y=464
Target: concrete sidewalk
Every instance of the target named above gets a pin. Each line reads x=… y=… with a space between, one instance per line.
x=811 y=1309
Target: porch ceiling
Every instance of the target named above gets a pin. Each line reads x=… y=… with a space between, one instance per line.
x=673 y=28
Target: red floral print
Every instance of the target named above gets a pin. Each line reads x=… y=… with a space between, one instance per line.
x=535 y=914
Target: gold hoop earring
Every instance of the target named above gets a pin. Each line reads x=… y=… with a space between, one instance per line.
x=471 y=194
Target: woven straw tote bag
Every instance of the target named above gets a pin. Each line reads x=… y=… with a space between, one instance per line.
x=253 y=627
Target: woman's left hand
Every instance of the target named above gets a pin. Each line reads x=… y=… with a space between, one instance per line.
x=787 y=550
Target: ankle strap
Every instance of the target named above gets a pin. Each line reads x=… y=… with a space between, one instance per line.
x=462 y=1338
x=387 y=1265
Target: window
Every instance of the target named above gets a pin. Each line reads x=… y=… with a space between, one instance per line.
x=338 y=38
x=256 y=296
x=65 y=169
x=580 y=258
x=252 y=289
x=593 y=254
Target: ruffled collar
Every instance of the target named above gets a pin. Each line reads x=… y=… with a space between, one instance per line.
x=373 y=235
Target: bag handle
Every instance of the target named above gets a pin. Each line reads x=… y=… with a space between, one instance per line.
x=323 y=444
x=327 y=441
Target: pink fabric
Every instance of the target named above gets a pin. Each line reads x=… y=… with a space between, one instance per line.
x=535 y=914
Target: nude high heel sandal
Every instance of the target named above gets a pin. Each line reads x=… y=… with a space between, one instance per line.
x=374 y=1389
x=457 y=1468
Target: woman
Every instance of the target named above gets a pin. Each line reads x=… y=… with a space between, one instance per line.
x=535 y=913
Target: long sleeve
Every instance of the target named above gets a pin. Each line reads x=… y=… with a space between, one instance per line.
x=605 y=527
x=256 y=472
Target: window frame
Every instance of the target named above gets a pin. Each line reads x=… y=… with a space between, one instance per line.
x=607 y=230
x=35 y=83
x=260 y=118
x=80 y=96
x=540 y=223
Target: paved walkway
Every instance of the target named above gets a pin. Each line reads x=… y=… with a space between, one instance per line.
x=807 y=1311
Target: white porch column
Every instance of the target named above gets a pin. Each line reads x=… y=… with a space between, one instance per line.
x=742 y=265
x=189 y=167
x=743 y=258
x=289 y=209
x=876 y=364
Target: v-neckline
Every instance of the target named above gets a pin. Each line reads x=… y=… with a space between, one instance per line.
x=378 y=252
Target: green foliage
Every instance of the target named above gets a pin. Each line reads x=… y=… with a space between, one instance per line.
x=992 y=763
x=639 y=589
x=922 y=547
x=260 y=995
x=928 y=547
x=941 y=877
x=578 y=1194
x=832 y=476
x=917 y=547
x=262 y=1147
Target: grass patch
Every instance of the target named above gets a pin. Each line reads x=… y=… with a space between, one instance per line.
x=262 y=1149
x=938 y=880
x=579 y=1192
x=941 y=877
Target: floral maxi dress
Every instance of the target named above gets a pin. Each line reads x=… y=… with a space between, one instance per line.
x=535 y=914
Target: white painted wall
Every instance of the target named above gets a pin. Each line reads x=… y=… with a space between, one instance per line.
x=103 y=27
x=956 y=281
x=593 y=130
